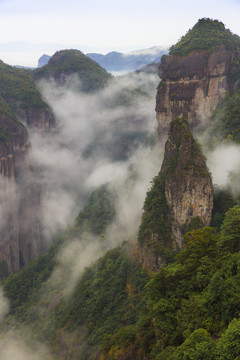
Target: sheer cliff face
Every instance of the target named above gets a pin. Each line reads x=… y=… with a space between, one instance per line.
x=12 y=146
x=181 y=192
x=20 y=210
x=192 y=86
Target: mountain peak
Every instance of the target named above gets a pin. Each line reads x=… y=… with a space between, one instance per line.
x=206 y=34
x=65 y=63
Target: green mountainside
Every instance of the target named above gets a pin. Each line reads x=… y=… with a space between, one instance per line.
x=207 y=34
x=66 y=62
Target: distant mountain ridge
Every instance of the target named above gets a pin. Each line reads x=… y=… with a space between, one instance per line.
x=116 y=61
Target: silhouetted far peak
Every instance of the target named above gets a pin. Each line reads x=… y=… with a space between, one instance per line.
x=43 y=60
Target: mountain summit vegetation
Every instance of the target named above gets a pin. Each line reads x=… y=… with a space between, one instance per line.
x=67 y=62
x=207 y=34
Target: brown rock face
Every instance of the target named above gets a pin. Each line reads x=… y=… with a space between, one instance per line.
x=20 y=229
x=181 y=193
x=188 y=185
x=192 y=86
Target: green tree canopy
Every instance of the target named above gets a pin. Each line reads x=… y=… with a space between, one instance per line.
x=230 y=231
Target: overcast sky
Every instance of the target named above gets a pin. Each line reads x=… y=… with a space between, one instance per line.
x=30 y=28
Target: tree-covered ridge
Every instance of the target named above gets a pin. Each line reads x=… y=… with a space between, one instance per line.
x=207 y=34
x=67 y=62
x=192 y=304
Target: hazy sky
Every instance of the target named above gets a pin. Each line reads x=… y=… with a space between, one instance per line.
x=30 y=28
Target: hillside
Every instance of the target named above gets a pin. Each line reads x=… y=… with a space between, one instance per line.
x=65 y=63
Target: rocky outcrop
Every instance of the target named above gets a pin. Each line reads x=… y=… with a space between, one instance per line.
x=181 y=194
x=20 y=229
x=192 y=86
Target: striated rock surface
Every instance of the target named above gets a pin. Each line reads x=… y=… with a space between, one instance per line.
x=181 y=195
x=192 y=86
x=20 y=225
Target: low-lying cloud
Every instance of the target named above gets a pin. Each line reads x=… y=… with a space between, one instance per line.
x=222 y=161
x=99 y=138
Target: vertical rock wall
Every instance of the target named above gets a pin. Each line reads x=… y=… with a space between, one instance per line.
x=192 y=86
x=20 y=225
